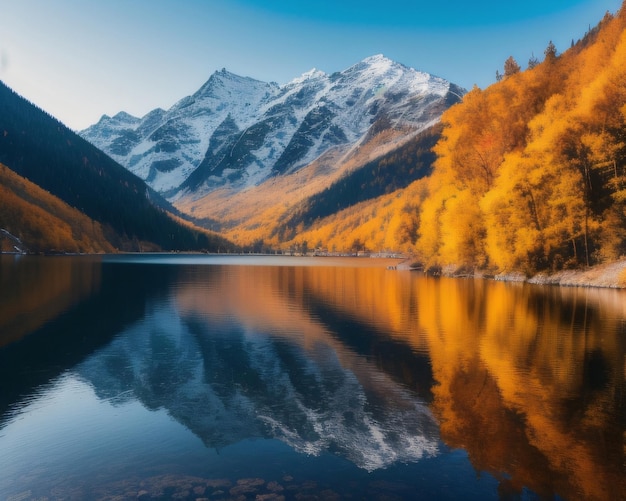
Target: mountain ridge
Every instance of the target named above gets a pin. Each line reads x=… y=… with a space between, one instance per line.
x=239 y=131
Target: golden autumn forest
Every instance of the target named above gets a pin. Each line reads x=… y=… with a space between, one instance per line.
x=531 y=172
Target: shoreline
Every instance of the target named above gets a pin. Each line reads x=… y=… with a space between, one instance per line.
x=608 y=276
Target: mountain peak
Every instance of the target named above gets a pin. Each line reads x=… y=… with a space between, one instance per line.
x=224 y=78
x=377 y=59
x=312 y=74
x=225 y=74
x=122 y=116
x=377 y=64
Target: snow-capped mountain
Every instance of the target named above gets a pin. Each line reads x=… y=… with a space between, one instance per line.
x=240 y=131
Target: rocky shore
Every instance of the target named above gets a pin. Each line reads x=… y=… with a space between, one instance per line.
x=610 y=275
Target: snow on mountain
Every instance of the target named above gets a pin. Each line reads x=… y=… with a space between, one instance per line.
x=240 y=131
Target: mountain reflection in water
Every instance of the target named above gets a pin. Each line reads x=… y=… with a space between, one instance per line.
x=228 y=384
x=380 y=368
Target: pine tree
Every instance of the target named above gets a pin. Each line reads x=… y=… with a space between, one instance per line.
x=532 y=62
x=511 y=67
x=550 y=52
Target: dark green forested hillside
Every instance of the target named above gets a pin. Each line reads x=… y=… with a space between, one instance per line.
x=44 y=151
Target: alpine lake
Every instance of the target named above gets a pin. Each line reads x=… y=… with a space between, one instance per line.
x=273 y=377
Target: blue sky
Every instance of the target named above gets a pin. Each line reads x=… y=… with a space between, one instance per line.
x=79 y=59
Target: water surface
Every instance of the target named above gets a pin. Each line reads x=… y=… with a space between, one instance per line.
x=228 y=377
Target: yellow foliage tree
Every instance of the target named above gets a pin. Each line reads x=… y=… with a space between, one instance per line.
x=531 y=172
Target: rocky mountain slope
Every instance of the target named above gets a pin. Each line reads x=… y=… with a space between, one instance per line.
x=238 y=132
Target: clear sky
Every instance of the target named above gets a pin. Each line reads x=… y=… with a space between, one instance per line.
x=79 y=59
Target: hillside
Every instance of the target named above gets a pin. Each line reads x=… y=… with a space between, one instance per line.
x=282 y=211
x=44 y=151
x=531 y=172
x=384 y=175
x=42 y=222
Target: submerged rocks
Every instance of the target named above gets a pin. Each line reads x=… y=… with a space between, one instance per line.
x=186 y=487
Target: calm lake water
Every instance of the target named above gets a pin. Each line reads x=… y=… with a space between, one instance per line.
x=189 y=377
